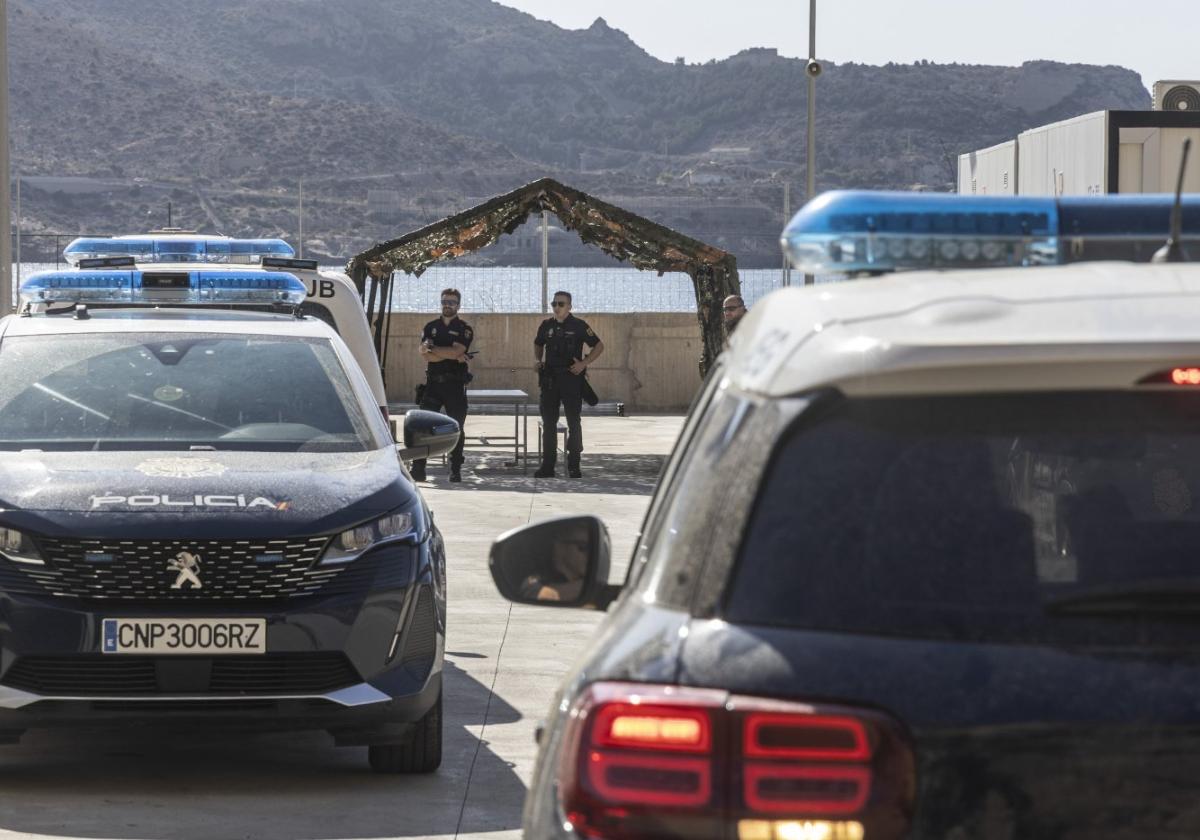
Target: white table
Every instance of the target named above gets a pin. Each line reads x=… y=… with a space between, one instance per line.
x=520 y=436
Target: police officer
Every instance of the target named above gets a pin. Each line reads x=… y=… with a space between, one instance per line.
x=445 y=343
x=733 y=309
x=558 y=349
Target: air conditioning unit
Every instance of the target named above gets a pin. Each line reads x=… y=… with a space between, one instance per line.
x=1177 y=96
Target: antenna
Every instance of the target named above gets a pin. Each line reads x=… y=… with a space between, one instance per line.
x=169 y=215
x=1173 y=250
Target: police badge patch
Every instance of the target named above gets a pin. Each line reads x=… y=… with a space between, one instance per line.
x=180 y=467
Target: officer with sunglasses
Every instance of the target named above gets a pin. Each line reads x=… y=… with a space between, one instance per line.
x=445 y=346
x=733 y=310
x=561 y=363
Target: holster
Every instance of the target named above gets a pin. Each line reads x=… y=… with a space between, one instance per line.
x=420 y=393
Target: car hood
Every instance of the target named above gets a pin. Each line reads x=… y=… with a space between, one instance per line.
x=159 y=493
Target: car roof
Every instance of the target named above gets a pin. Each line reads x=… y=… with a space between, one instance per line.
x=152 y=319
x=1074 y=326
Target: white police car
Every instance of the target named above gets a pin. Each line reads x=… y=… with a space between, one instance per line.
x=924 y=562
x=204 y=518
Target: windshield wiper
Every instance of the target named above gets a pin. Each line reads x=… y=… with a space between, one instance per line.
x=1175 y=597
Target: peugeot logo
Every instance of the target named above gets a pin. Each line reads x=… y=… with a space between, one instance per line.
x=188 y=567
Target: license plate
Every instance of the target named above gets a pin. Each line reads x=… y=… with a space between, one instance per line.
x=184 y=635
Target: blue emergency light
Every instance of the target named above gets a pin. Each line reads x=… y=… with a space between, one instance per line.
x=211 y=286
x=870 y=232
x=176 y=248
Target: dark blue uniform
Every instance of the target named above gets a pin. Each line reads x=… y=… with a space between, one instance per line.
x=563 y=343
x=446 y=381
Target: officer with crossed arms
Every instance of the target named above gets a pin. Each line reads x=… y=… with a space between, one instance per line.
x=445 y=346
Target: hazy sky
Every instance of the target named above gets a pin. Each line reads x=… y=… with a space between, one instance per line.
x=1156 y=38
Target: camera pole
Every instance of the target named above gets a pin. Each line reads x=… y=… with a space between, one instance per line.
x=6 y=289
x=812 y=69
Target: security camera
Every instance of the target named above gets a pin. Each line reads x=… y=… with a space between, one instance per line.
x=813 y=68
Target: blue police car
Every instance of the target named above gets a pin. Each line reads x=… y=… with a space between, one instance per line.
x=204 y=518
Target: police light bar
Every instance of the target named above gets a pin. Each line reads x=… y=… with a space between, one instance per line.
x=862 y=231
x=176 y=248
x=283 y=262
x=1124 y=227
x=856 y=232
x=164 y=286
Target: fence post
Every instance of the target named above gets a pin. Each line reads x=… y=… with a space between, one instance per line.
x=545 y=262
x=787 y=217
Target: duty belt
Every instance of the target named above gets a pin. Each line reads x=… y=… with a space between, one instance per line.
x=443 y=378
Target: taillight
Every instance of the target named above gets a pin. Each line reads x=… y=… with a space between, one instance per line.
x=1187 y=376
x=811 y=737
x=652 y=727
x=654 y=761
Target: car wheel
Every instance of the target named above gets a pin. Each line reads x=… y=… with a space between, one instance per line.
x=422 y=753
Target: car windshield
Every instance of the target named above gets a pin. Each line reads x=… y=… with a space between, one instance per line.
x=173 y=391
x=1037 y=517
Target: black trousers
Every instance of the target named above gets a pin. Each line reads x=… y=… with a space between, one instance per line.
x=561 y=387
x=450 y=398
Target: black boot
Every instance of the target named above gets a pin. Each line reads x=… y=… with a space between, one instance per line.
x=573 y=467
x=456 y=472
x=418 y=471
x=546 y=470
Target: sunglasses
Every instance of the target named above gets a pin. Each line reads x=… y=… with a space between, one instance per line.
x=449 y=302
x=558 y=303
x=730 y=308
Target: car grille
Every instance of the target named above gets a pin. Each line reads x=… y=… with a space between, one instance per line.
x=139 y=570
x=92 y=675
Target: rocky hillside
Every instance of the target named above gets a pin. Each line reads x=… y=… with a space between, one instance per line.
x=438 y=102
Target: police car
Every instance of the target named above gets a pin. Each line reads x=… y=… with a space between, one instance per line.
x=205 y=519
x=924 y=561
x=330 y=295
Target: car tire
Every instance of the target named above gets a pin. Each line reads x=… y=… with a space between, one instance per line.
x=422 y=753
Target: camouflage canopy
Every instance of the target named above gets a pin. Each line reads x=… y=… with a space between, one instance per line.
x=619 y=233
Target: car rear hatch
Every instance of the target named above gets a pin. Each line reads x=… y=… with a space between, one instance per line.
x=1012 y=577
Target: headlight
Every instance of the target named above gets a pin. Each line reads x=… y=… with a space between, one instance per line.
x=19 y=548
x=350 y=544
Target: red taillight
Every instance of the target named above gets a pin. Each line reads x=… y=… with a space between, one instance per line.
x=645 y=726
x=1185 y=376
x=786 y=789
x=621 y=778
x=811 y=737
x=641 y=760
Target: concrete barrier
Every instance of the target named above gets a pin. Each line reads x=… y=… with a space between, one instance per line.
x=650 y=363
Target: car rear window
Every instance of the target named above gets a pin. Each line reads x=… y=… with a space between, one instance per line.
x=966 y=517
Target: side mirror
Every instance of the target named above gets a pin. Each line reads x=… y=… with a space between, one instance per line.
x=427 y=434
x=561 y=562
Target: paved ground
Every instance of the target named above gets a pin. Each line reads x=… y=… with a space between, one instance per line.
x=502 y=665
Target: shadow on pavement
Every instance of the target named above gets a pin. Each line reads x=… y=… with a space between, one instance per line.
x=199 y=785
x=617 y=475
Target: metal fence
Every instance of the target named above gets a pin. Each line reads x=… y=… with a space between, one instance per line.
x=615 y=287
x=519 y=289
